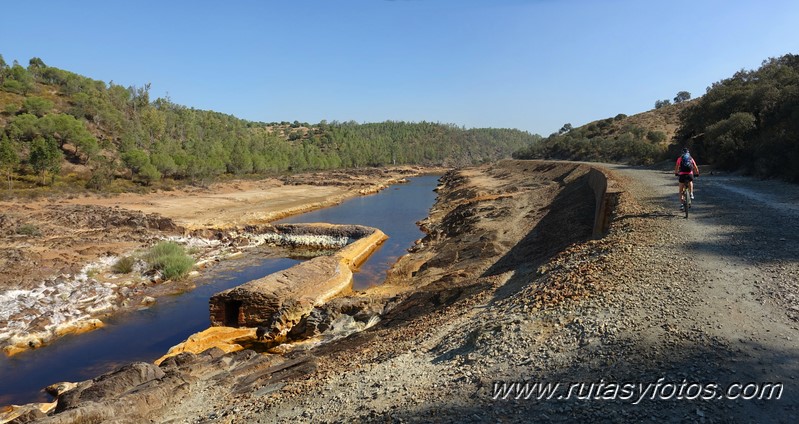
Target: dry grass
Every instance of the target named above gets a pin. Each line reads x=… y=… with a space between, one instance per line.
x=666 y=120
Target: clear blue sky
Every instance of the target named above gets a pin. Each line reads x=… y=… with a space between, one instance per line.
x=532 y=65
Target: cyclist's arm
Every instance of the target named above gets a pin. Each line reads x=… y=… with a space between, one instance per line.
x=677 y=166
x=696 y=168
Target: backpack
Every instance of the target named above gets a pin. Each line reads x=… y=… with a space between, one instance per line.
x=687 y=163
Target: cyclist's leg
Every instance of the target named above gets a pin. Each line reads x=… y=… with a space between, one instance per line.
x=689 y=179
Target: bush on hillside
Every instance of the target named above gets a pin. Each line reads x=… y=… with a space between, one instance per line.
x=124 y=265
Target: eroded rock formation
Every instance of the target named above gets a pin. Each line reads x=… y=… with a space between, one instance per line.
x=280 y=300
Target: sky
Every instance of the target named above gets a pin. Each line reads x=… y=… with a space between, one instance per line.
x=533 y=65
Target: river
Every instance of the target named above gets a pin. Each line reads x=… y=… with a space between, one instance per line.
x=394 y=211
x=147 y=334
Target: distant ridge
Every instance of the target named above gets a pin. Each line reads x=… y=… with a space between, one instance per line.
x=60 y=129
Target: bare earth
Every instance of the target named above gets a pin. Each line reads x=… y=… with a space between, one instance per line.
x=509 y=287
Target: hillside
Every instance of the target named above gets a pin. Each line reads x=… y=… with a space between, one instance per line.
x=746 y=123
x=665 y=120
x=638 y=139
x=750 y=121
x=68 y=131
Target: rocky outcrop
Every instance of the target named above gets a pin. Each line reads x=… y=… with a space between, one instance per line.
x=31 y=412
x=93 y=216
x=110 y=385
x=278 y=301
x=281 y=300
x=140 y=392
x=309 y=236
x=226 y=339
x=62 y=305
x=361 y=310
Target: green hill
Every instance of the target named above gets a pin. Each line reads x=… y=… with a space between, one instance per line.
x=61 y=129
x=749 y=122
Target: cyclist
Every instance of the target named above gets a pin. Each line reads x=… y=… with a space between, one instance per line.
x=686 y=168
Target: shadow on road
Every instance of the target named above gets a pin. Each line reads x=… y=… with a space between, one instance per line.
x=737 y=226
x=709 y=395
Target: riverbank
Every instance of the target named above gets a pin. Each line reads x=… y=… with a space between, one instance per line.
x=57 y=254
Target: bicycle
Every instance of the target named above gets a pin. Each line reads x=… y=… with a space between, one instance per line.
x=686 y=199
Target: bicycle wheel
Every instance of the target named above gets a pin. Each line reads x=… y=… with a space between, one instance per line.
x=686 y=203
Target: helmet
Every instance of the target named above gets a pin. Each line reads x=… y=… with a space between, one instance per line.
x=684 y=150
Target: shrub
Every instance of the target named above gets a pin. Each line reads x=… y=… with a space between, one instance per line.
x=11 y=109
x=99 y=180
x=656 y=136
x=28 y=230
x=662 y=103
x=171 y=259
x=124 y=265
x=37 y=106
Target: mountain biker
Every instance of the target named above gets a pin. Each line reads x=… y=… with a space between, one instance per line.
x=686 y=168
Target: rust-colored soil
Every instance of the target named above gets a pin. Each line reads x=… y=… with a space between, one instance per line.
x=48 y=237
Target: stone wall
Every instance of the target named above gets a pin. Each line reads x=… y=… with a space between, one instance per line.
x=606 y=195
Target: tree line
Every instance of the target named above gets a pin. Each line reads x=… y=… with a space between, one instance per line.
x=51 y=115
x=748 y=122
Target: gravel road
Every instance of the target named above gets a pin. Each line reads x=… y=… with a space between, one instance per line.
x=737 y=306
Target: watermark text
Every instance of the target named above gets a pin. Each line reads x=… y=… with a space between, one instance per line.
x=635 y=392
